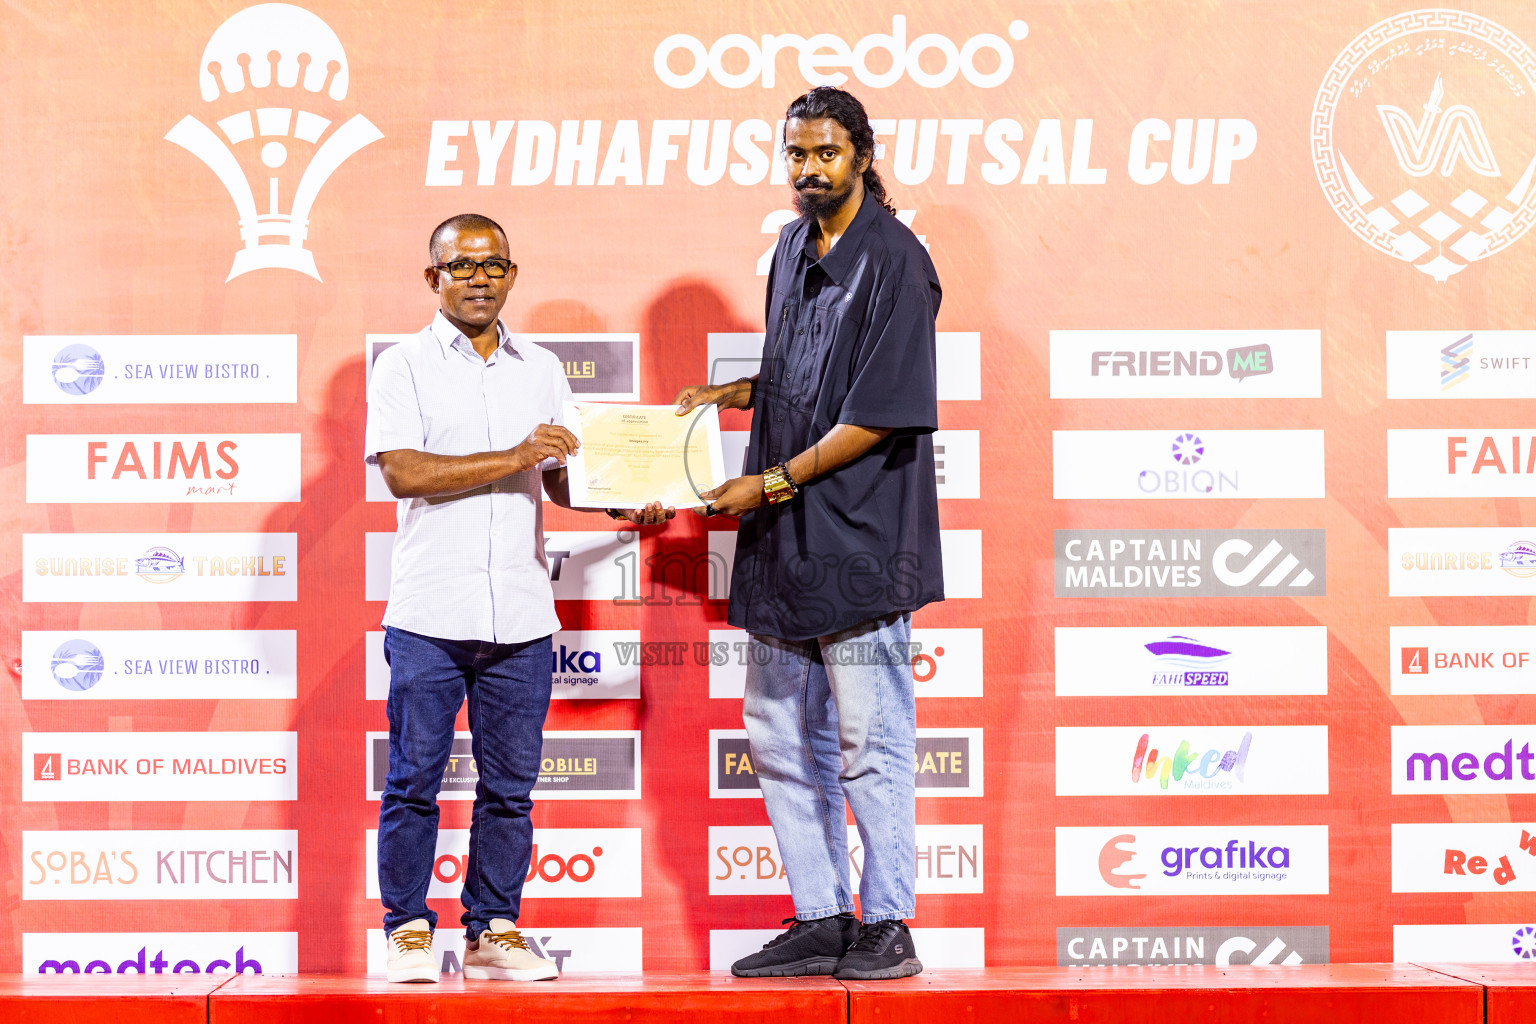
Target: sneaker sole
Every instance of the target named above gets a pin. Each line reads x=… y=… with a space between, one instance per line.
x=905 y=969
x=508 y=974
x=799 y=969
x=417 y=974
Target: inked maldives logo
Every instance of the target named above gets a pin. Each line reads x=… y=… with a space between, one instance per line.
x=1191 y=769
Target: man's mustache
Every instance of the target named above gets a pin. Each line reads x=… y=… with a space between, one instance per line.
x=804 y=183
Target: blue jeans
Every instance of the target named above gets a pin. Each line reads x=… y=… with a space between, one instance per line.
x=508 y=688
x=830 y=729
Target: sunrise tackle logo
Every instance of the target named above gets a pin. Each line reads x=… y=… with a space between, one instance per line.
x=264 y=67
x=1401 y=138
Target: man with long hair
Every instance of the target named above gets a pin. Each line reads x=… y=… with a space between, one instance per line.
x=838 y=544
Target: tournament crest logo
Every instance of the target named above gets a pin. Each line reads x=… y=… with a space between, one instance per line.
x=261 y=70
x=1423 y=140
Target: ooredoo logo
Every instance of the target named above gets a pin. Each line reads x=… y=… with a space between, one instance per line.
x=1400 y=138
x=931 y=60
x=578 y=863
x=273 y=47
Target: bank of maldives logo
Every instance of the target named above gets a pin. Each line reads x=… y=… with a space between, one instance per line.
x=258 y=66
x=78 y=665
x=1401 y=145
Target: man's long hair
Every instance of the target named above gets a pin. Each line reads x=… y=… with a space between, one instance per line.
x=827 y=101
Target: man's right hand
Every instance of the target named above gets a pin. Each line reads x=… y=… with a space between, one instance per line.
x=547 y=441
x=735 y=395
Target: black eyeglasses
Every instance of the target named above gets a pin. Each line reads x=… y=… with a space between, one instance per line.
x=463 y=270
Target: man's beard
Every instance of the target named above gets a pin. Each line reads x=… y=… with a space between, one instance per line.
x=820 y=204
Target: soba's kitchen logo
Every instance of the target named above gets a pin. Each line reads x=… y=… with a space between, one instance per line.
x=1401 y=144
x=254 y=67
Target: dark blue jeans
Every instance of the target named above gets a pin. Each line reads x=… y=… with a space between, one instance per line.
x=508 y=688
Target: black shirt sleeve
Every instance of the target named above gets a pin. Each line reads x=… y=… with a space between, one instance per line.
x=895 y=383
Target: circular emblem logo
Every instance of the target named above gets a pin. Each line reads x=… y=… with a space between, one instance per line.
x=1187 y=449
x=78 y=369
x=1424 y=138
x=1519 y=559
x=77 y=665
x=1525 y=942
x=159 y=565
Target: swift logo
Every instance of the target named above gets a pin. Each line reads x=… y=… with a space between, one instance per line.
x=1227 y=550
x=1455 y=362
x=241 y=53
x=1439 y=137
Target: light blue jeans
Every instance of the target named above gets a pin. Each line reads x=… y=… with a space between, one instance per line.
x=833 y=723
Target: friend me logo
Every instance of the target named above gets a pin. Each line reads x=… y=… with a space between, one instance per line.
x=931 y=60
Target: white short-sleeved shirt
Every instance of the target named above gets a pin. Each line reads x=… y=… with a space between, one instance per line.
x=469 y=566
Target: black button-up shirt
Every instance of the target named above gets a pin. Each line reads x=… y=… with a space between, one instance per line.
x=850 y=340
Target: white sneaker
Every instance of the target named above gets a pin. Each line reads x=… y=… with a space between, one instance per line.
x=410 y=953
x=502 y=954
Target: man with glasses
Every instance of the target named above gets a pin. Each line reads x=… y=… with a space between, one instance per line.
x=464 y=421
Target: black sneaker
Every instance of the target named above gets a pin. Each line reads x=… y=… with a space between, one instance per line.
x=882 y=951
x=807 y=947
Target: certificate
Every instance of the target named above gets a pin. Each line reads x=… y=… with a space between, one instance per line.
x=635 y=454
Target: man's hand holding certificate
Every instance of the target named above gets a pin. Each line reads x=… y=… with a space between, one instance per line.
x=635 y=454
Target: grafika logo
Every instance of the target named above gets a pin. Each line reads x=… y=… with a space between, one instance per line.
x=1401 y=138
x=263 y=68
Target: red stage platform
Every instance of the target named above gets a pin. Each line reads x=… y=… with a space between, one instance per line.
x=1337 y=994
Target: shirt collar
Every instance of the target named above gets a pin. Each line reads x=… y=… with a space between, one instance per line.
x=837 y=262
x=449 y=336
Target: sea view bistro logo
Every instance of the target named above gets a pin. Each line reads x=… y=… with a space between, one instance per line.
x=1132 y=661
x=947 y=762
x=254 y=68
x=173 y=664
x=1461 y=463
x=1187 y=464
x=70 y=468
x=573 y=950
x=61 y=767
x=234 y=864
x=744 y=860
x=159 y=369
x=1194 y=861
x=161 y=953
x=1461 y=561
x=1190 y=563
x=1464 y=857
x=179 y=567
x=1463 y=759
x=1256 y=945
x=1194 y=760
x=1401 y=138
x=576 y=863
x=1186 y=364
x=572 y=766
x=1463 y=659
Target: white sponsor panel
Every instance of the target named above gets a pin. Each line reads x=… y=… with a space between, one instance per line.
x=1203 y=860
x=1467 y=462
x=159 y=369
x=960 y=551
x=1187 y=364
x=1464 y=857
x=181 y=567
x=951 y=763
x=957 y=463
x=1199 y=760
x=160 y=953
x=1461 y=561
x=1196 y=464
x=233 y=864
x=938 y=948
x=1186 y=661
x=573 y=950
x=957 y=361
x=594 y=565
x=1464 y=943
x=1463 y=759
x=374 y=487
x=375 y=667
x=1461 y=364
x=575 y=863
x=604 y=664
x=148 y=766
x=948 y=663
x=744 y=860
x=733 y=451
x=169 y=664
x=162 y=467
x=1463 y=659
x=722 y=560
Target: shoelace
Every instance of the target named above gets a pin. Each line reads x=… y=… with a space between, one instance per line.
x=409 y=941
x=872 y=936
x=785 y=936
x=512 y=939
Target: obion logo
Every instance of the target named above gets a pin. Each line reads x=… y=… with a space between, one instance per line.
x=255 y=66
x=931 y=60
